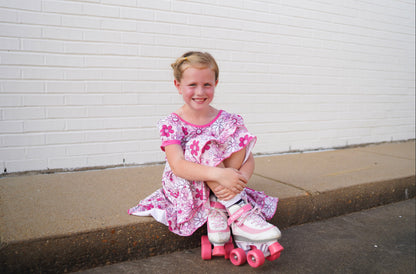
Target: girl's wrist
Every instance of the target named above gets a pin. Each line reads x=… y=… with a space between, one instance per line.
x=218 y=174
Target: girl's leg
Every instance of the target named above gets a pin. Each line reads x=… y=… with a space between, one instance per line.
x=218 y=230
x=248 y=226
x=236 y=159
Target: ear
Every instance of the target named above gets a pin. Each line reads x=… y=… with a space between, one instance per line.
x=177 y=85
x=216 y=83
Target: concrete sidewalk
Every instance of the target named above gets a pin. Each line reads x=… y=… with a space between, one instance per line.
x=69 y=221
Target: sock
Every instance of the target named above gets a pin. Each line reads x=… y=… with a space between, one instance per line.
x=236 y=200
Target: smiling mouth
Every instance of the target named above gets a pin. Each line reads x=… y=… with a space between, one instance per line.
x=199 y=100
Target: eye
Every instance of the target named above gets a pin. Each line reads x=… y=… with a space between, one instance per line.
x=207 y=85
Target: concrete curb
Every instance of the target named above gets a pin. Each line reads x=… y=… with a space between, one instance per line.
x=86 y=250
x=54 y=223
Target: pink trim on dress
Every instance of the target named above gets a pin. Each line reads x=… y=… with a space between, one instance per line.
x=169 y=142
x=207 y=125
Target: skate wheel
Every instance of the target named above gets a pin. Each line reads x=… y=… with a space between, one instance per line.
x=237 y=256
x=255 y=258
x=275 y=251
x=205 y=248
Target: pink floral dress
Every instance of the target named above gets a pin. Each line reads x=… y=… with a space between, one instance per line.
x=181 y=204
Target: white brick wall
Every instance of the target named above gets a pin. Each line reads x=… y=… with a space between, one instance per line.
x=83 y=83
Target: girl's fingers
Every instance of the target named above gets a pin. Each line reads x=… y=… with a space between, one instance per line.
x=225 y=194
x=241 y=177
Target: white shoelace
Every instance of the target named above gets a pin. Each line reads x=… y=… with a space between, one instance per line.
x=218 y=216
x=255 y=215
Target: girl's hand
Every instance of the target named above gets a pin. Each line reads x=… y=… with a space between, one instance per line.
x=232 y=179
x=221 y=192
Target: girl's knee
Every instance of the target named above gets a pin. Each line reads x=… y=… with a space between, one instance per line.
x=236 y=159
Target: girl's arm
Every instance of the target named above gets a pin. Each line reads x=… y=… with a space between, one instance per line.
x=225 y=194
x=228 y=177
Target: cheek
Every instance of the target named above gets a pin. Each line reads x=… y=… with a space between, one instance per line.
x=210 y=92
x=186 y=93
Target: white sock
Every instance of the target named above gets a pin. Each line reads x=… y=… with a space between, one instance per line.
x=231 y=202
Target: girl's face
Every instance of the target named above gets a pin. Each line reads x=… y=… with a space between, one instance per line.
x=197 y=87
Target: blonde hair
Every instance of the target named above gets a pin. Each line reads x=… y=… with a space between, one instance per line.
x=194 y=59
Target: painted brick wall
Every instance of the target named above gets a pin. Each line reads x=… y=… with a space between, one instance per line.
x=83 y=83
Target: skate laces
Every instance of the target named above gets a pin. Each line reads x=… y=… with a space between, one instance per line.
x=253 y=215
x=217 y=216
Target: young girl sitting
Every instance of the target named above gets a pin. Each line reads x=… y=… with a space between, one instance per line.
x=209 y=163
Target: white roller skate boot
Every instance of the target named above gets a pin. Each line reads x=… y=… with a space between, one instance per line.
x=218 y=232
x=253 y=235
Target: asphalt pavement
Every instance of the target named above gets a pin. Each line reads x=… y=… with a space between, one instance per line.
x=378 y=240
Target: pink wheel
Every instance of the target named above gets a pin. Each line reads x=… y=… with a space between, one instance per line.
x=237 y=256
x=275 y=251
x=255 y=258
x=205 y=248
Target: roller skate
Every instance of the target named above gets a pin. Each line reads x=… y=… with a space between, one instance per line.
x=218 y=233
x=256 y=239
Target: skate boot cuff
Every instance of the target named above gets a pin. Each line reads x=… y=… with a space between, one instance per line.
x=216 y=205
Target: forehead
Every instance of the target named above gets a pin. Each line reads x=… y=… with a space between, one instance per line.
x=198 y=74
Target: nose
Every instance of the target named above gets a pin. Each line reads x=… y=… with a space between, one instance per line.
x=199 y=90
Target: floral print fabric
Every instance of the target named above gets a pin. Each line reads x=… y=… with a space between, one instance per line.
x=181 y=204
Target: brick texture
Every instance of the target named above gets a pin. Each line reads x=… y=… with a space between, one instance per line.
x=83 y=83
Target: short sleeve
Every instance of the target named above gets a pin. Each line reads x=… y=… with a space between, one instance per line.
x=226 y=136
x=235 y=136
x=170 y=131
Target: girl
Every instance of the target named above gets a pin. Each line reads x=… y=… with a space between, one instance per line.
x=209 y=163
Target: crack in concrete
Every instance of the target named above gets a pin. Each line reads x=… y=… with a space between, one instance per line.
x=283 y=183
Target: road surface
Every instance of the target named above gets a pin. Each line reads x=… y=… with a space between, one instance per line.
x=379 y=240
